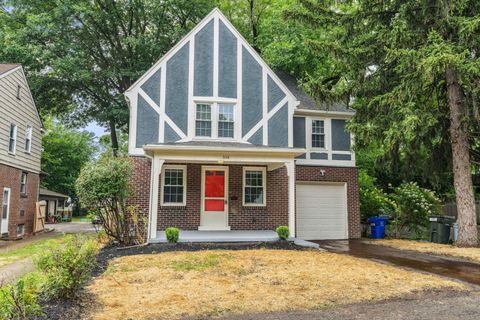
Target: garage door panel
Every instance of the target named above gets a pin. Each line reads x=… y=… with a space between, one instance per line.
x=321 y=211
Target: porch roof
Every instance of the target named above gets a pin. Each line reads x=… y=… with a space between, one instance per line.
x=222 y=146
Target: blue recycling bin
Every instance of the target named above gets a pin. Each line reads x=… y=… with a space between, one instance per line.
x=377 y=225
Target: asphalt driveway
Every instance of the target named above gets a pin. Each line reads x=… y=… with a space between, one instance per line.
x=444 y=266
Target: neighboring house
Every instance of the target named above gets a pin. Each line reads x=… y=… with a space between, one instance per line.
x=56 y=203
x=221 y=142
x=20 y=148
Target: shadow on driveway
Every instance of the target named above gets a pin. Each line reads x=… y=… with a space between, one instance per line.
x=443 y=266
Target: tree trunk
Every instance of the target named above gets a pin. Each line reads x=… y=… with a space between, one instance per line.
x=462 y=176
x=113 y=137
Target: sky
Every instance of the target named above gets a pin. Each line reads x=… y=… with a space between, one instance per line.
x=96 y=129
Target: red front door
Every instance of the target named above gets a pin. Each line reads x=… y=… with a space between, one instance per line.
x=214 y=190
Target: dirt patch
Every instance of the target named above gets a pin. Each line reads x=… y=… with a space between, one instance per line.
x=214 y=282
x=472 y=254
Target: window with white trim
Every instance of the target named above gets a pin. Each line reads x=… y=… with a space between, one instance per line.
x=203 y=120
x=23 y=183
x=174 y=185
x=28 y=139
x=318 y=134
x=215 y=120
x=5 y=203
x=254 y=181
x=12 y=143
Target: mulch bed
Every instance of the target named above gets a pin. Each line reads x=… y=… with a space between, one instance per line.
x=62 y=309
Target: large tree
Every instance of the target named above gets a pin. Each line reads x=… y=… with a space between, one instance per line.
x=411 y=70
x=81 y=55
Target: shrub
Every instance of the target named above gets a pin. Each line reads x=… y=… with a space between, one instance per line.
x=172 y=234
x=373 y=201
x=66 y=268
x=19 y=300
x=104 y=187
x=415 y=204
x=283 y=232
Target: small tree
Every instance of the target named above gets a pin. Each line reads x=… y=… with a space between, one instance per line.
x=104 y=187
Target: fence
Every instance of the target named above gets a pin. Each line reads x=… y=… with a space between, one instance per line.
x=450 y=209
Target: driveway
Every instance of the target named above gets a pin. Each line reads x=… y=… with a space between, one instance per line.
x=444 y=266
x=420 y=306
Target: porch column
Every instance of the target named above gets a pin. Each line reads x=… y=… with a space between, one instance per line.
x=157 y=164
x=291 y=196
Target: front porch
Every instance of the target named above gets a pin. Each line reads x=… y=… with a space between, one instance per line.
x=220 y=236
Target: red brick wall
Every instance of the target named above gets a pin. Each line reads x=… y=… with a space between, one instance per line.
x=338 y=174
x=10 y=178
x=274 y=214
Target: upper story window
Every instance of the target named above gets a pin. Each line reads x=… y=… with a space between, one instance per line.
x=12 y=142
x=28 y=139
x=318 y=134
x=215 y=120
x=23 y=183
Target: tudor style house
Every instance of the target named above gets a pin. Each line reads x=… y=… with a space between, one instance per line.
x=221 y=142
x=20 y=152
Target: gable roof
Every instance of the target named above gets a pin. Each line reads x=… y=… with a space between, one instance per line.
x=5 y=67
x=50 y=193
x=214 y=13
x=305 y=100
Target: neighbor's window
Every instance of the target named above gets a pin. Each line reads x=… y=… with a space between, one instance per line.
x=318 y=134
x=173 y=185
x=23 y=183
x=225 y=121
x=13 y=139
x=254 y=186
x=203 y=120
x=28 y=139
x=5 y=203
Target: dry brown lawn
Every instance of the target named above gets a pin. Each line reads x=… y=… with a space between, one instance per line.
x=208 y=283
x=472 y=254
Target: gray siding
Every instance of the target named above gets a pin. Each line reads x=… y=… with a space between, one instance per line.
x=341 y=157
x=251 y=92
x=319 y=156
x=257 y=137
x=152 y=87
x=340 y=137
x=278 y=128
x=147 y=123
x=203 y=69
x=170 y=134
x=21 y=112
x=227 y=64
x=275 y=94
x=299 y=132
x=176 y=91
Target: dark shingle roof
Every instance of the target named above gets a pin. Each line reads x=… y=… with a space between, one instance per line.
x=46 y=192
x=306 y=101
x=217 y=144
x=4 y=67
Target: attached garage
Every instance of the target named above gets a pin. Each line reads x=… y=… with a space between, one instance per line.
x=321 y=210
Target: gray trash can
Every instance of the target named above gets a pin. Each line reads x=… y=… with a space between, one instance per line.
x=440 y=228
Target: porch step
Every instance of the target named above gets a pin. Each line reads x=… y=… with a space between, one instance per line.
x=221 y=236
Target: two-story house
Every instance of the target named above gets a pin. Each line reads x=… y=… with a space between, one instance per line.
x=221 y=142
x=20 y=152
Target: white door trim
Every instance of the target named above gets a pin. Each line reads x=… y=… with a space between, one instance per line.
x=203 y=223
x=4 y=227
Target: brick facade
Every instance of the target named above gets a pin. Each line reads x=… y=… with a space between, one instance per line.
x=274 y=214
x=338 y=174
x=19 y=203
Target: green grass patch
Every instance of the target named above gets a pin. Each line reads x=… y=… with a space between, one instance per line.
x=29 y=250
x=197 y=263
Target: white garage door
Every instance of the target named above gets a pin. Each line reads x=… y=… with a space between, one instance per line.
x=321 y=211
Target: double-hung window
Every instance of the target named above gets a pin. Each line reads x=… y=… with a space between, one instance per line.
x=215 y=120
x=254 y=186
x=174 y=185
x=28 y=139
x=23 y=183
x=318 y=134
x=12 y=142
